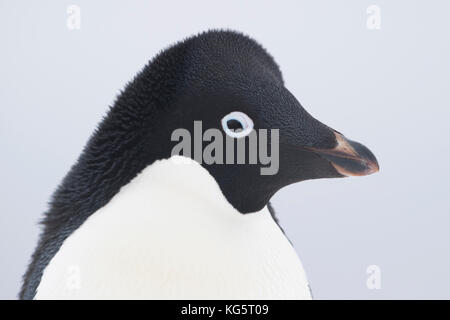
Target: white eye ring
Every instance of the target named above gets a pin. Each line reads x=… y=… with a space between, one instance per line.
x=243 y=119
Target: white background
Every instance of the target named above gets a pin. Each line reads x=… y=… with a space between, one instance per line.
x=387 y=88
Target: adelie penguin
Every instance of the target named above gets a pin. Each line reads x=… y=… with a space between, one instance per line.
x=131 y=221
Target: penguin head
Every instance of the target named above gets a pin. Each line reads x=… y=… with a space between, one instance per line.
x=213 y=91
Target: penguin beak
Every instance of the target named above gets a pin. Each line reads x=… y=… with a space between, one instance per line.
x=349 y=158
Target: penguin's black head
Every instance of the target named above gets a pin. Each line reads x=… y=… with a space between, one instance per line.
x=217 y=90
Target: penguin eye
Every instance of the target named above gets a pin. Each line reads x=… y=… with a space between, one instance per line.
x=237 y=124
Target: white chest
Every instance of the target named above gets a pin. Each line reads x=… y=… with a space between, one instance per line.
x=171 y=234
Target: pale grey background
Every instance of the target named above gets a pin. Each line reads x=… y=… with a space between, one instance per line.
x=387 y=88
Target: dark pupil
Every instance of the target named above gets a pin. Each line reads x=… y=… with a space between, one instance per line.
x=234 y=125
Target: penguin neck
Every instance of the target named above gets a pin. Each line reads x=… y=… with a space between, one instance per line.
x=182 y=175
